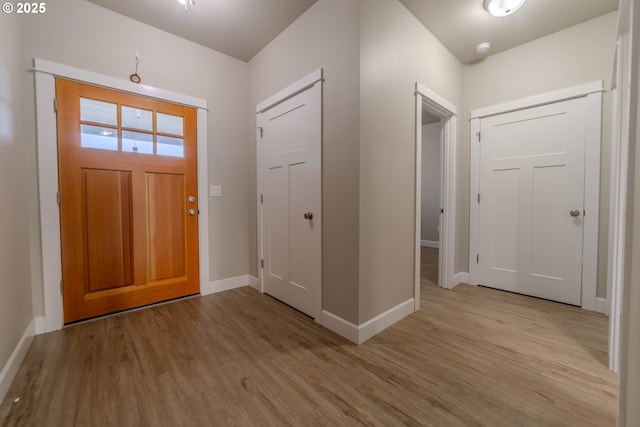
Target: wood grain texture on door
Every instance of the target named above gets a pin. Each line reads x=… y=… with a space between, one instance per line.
x=128 y=200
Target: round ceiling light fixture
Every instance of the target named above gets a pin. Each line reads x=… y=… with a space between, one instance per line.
x=483 y=48
x=502 y=7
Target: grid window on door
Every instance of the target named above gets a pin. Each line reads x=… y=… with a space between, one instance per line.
x=114 y=127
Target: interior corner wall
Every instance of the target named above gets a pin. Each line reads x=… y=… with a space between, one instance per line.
x=396 y=51
x=86 y=36
x=15 y=304
x=326 y=36
x=574 y=56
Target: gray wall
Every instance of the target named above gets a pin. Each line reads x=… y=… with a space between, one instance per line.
x=326 y=36
x=431 y=181
x=86 y=36
x=395 y=52
x=15 y=288
x=577 y=55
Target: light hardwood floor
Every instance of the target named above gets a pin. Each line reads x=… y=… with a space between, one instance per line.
x=471 y=357
x=429 y=266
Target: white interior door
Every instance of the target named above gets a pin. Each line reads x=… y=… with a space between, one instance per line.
x=531 y=201
x=290 y=173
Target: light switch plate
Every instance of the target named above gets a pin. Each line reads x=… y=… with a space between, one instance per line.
x=215 y=191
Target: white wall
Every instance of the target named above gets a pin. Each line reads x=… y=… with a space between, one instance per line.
x=431 y=182
x=86 y=36
x=577 y=55
x=325 y=36
x=396 y=51
x=15 y=289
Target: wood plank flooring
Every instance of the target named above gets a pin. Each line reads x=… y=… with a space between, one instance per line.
x=429 y=266
x=471 y=357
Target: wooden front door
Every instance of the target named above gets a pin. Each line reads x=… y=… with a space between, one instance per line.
x=128 y=200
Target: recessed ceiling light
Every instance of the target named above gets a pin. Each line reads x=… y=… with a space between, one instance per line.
x=502 y=7
x=483 y=48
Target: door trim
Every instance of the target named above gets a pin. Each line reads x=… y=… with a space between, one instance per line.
x=46 y=146
x=290 y=91
x=593 y=92
x=448 y=114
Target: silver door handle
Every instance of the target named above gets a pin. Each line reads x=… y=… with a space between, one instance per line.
x=574 y=212
x=192 y=212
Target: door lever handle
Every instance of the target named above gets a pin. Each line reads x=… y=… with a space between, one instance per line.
x=308 y=215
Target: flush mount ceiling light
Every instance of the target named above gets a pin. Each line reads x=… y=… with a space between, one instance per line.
x=502 y=7
x=186 y=4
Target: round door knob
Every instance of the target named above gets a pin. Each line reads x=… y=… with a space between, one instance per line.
x=308 y=215
x=192 y=212
x=574 y=212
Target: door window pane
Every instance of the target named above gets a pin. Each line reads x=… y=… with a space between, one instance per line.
x=168 y=146
x=98 y=112
x=167 y=123
x=98 y=137
x=136 y=118
x=137 y=142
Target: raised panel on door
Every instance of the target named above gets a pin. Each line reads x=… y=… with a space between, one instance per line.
x=109 y=229
x=167 y=222
x=127 y=167
x=277 y=226
x=531 y=178
x=289 y=152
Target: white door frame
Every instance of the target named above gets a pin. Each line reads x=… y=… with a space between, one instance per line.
x=288 y=92
x=619 y=194
x=45 y=74
x=593 y=93
x=440 y=107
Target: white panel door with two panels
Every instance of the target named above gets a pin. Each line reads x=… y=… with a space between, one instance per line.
x=531 y=201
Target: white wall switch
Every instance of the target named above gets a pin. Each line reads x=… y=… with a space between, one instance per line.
x=215 y=191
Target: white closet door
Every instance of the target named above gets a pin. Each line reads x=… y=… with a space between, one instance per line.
x=531 y=207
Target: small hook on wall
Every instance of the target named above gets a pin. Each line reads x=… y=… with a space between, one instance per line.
x=135 y=77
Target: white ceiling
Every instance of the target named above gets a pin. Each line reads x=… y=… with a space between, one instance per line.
x=461 y=24
x=241 y=28
x=238 y=28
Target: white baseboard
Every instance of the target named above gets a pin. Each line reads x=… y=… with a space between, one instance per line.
x=41 y=325
x=226 y=284
x=430 y=243
x=10 y=368
x=462 y=277
x=602 y=306
x=340 y=326
x=253 y=282
x=370 y=328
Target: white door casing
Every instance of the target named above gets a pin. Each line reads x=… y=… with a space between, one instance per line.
x=290 y=211
x=439 y=106
x=531 y=201
x=550 y=179
x=45 y=73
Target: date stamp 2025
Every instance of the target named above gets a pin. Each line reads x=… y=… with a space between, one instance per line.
x=25 y=8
